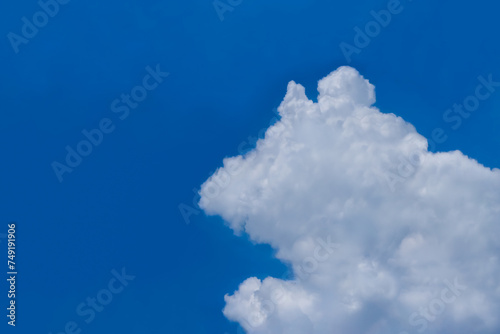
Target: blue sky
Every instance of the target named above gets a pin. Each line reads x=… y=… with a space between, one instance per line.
x=119 y=207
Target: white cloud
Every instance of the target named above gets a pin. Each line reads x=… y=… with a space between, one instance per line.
x=416 y=235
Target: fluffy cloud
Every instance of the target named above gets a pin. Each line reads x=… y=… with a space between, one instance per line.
x=382 y=235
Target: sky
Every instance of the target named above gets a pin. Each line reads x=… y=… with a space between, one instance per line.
x=157 y=94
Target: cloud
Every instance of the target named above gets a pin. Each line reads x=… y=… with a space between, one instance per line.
x=382 y=235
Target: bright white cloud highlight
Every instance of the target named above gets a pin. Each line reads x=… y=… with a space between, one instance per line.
x=377 y=245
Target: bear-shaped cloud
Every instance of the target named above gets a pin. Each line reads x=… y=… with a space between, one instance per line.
x=382 y=235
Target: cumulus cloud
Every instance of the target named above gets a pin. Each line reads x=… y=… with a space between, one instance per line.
x=382 y=235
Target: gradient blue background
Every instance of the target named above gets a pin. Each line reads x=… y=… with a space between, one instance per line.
x=119 y=208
